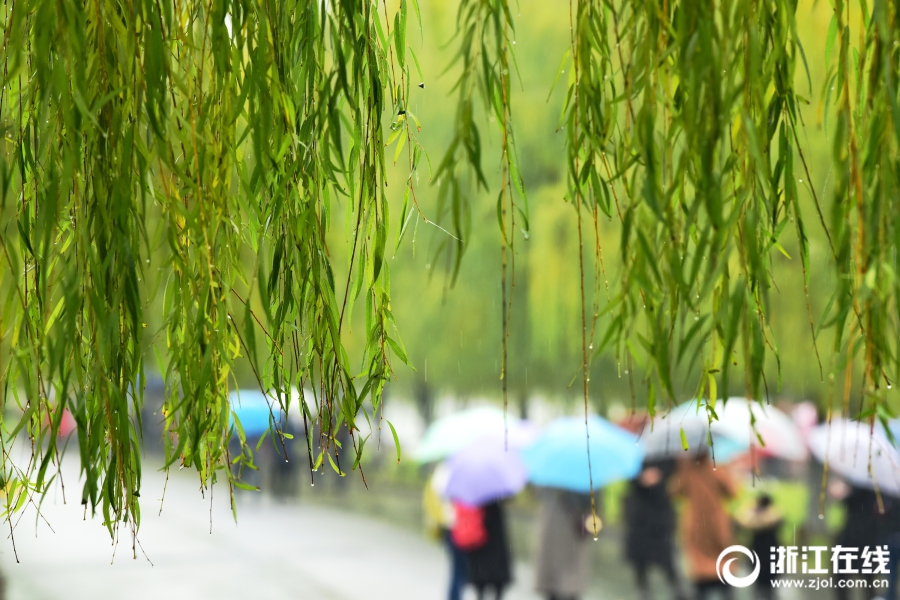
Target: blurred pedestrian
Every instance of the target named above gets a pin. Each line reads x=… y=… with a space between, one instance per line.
x=440 y=517
x=706 y=527
x=562 y=561
x=860 y=529
x=650 y=527
x=489 y=563
x=764 y=520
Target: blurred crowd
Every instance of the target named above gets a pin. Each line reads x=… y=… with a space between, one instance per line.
x=686 y=485
x=684 y=504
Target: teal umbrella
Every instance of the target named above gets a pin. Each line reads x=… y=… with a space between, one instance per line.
x=558 y=458
x=452 y=433
x=254 y=410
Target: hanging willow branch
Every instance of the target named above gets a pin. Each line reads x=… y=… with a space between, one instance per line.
x=682 y=122
x=230 y=129
x=483 y=30
x=865 y=214
x=683 y=127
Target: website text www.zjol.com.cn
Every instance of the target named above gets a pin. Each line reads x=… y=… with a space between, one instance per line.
x=824 y=583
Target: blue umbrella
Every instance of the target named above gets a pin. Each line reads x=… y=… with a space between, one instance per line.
x=253 y=410
x=559 y=458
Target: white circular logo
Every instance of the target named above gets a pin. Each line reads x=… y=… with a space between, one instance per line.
x=724 y=570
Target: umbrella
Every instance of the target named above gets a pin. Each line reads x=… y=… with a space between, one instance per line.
x=484 y=471
x=454 y=432
x=732 y=433
x=254 y=410
x=662 y=437
x=558 y=457
x=848 y=447
x=780 y=435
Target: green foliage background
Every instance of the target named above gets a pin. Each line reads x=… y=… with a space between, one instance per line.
x=547 y=341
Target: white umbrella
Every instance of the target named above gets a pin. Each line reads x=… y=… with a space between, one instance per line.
x=732 y=433
x=859 y=455
x=450 y=434
x=780 y=435
x=661 y=437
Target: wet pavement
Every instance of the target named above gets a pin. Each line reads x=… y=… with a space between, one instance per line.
x=275 y=551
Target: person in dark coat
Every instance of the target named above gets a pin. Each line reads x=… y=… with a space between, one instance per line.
x=489 y=565
x=650 y=527
x=860 y=530
x=763 y=521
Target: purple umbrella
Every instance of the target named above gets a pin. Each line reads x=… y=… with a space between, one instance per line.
x=485 y=471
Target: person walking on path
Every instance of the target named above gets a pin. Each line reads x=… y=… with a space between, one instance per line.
x=763 y=520
x=650 y=527
x=489 y=564
x=440 y=517
x=562 y=560
x=706 y=527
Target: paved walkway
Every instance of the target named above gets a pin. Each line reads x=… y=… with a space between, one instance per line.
x=274 y=552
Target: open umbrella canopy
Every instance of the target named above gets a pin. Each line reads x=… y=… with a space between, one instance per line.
x=484 y=471
x=254 y=410
x=780 y=435
x=558 y=458
x=661 y=438
x=733 y=433
x=452 y=433
x=850 y=447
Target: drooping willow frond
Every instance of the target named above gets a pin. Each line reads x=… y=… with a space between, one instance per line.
x=230 y=129
x=485 y=33
x=865 y=214
x=684 y=128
